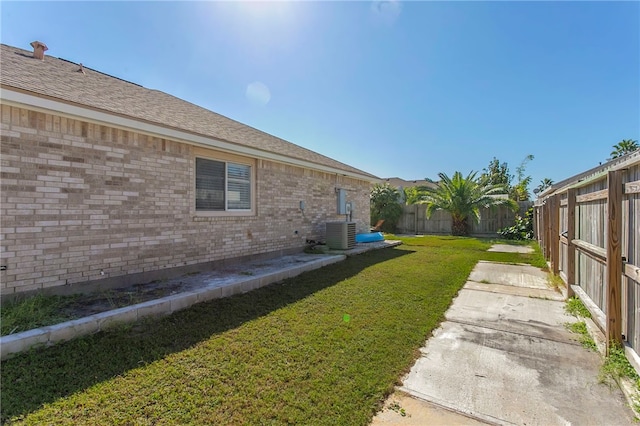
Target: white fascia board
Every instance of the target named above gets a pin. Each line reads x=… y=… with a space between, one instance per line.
x=50 y=106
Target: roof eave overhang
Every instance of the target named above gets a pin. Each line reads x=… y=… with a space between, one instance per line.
x=21 y=99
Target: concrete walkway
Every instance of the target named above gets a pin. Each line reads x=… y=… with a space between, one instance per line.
x=503 y=356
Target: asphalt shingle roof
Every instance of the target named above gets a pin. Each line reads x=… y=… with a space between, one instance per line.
x=60 y=79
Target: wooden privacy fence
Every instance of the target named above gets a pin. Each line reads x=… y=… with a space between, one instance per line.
x=414 y=220
x=588 y=230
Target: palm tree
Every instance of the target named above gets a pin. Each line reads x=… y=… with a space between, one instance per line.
x=544 y=184
x=623 y=147
x=413 y=194
x=463 y=197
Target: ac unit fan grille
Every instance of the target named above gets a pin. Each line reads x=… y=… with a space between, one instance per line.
x=341 y=235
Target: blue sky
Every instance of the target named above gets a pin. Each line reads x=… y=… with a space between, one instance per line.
x=405 y=89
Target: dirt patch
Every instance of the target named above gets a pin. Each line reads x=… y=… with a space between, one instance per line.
x=83 y=305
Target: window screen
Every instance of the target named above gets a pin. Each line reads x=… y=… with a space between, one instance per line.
x=238 y=186
x=222 y=186
x=210 y=184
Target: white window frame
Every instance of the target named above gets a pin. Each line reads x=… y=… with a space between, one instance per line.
x=226 y=159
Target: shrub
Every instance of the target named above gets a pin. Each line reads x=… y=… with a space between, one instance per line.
x=385 y=204
x=522 y=228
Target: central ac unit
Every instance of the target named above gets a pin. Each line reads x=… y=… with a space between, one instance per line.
x=341 y=235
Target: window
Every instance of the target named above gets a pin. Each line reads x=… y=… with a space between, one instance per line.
x=222 y=186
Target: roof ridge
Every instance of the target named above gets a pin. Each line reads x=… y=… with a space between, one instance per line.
x=28 y=53
x=99 y=72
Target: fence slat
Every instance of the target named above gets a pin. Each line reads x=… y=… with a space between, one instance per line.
x=571 y=235
x=614 y=259
x=632 y=187
x=595 y=252
x=632 y=271
x=555 y=233
x=592 y=196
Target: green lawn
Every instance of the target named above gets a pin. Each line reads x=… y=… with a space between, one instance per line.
x=326 y=347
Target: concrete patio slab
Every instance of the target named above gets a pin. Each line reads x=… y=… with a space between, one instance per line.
x=508 y=248
x=509 y=313
x=540 y=293
x=508 y=274
x=509 y=378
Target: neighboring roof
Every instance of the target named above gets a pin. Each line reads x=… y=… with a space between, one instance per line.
x=402 y=183
x=616 y=163
x=61 y=80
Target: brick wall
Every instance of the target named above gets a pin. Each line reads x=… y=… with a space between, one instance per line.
x=81 y=202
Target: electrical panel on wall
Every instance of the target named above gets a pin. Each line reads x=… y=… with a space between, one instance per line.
x=342 y=200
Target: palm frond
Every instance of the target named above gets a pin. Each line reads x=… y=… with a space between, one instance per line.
x=463 y=196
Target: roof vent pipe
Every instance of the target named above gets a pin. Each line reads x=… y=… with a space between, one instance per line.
x=38 y=49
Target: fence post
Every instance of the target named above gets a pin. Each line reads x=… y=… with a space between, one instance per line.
x=554 y=239
x=614 y=259
x=571 y=235
x=536 y=234
x=546 y=226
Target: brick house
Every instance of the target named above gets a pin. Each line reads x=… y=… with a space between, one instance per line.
x=107 y=183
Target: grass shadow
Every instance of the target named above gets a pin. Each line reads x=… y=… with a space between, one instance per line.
x=44 y=375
